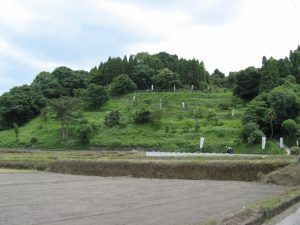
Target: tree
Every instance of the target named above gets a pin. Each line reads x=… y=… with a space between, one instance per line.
x=64 y=109
x=20 y=105
x=217 y=78
x=285 y=103
x=71 y=80
x=17 y=131
x=142 y=75
x=270 y=77
x=290 y=127
x=44 y=116
x=95 y=96
x=247 y=83
x=48 y=85
x=166 y=79
x=122 y=84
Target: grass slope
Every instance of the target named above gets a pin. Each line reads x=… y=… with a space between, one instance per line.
x=176 y=132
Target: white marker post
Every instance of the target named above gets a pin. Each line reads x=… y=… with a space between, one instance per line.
x=160 y=104
x=263 y=143
x=152 y=87
x=232 y=113
x=201 y=142
x=183 y=104
x=133 y=98
x=174 y=87
x=192 y=87
x=297 y=143
x=281 y=145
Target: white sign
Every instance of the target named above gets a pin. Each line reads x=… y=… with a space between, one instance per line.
x=183 y=104
x=152 y=87
x=232 y=113
x=201 y=142
x=263 y=142
x=281 y=143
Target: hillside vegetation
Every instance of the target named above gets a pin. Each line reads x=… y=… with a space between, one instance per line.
x=206 y=115
x=158 y=102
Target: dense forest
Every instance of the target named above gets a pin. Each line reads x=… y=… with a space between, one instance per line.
x=271 y=92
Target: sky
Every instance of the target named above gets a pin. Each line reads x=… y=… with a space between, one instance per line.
x=40 y=35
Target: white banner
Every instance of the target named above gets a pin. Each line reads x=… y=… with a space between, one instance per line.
x=263 y=142
x=281 y=143
x=201 y=142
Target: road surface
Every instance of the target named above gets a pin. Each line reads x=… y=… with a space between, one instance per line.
x=291 y=216
x=36 y=198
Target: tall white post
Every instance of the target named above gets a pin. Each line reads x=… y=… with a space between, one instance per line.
x=232 y=113
x=183 y=104
x=201 y=142
x=174 y=87
x=133 y=98
x=192 y=87
x=281 y=142
x=263 y=142
x=152 y=87
x=160 y=104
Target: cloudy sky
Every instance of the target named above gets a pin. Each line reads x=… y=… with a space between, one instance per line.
x=39 y=35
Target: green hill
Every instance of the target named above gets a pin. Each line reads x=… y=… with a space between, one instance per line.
x=206 y=115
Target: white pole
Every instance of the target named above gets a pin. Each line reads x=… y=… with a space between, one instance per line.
x=160 y=104
x=152 y=87
x=192 y=87
x=174 y=87
x=232 y=113
x=133 y=99
x=183 y=104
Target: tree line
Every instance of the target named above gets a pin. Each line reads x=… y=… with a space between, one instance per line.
x=272 y=89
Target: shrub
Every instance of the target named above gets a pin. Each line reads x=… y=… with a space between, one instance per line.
x=142 y=115
x=84 y=132
x=185 y=129
x=112 y=119
x=224 y=105
x=211 y=114
x=251 y=134
x=33 y=141
x=197 y=128
x=295 y=150
x=155 y=117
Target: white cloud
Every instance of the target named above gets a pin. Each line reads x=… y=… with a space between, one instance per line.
x=15 y=15
x=262 y=28
x=255 y=28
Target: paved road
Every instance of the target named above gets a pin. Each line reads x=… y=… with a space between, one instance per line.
x=291 y=216
x=293 y=219
x=46 y=198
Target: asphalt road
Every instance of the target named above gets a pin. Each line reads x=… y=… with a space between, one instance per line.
x=291 y=216
x=46 y=198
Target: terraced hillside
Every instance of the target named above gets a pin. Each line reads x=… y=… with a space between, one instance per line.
x=207 y=115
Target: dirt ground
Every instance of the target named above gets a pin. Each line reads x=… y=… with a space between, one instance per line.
x=46 y=198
